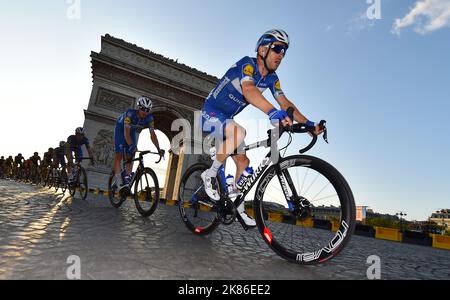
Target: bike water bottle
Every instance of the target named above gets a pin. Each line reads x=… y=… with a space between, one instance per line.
x=231 y=187
x=248 y=172
x=213 y=153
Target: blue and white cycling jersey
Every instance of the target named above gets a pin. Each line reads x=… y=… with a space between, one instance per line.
x=226 y=100
x=130 y=118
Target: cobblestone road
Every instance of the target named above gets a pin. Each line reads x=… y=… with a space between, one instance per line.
x=40 y=230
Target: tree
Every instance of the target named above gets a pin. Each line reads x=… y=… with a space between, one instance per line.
x=382 y=222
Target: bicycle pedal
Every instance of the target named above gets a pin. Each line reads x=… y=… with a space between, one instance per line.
x=206 y=204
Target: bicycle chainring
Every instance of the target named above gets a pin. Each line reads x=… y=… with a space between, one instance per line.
x=226 y=211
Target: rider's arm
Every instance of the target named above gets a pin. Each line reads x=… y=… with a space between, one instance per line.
x=127 y=133
x=285 y=103
x=255 y=98
x=155 y=139
x=89 y=150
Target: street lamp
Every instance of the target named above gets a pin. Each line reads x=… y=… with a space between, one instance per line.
x=444 y=225
x=401 y=215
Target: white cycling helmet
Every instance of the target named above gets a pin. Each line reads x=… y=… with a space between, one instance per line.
x=145 y=103
x=272 y=36
x=80 y=130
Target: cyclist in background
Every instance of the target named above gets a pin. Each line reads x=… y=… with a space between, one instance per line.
x=2 y=167
x=74 y=145
x=59 y=155
x=125 y=138
x=18 y=164
x=8 y=167
x=35 y=164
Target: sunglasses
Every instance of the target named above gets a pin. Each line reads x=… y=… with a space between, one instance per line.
x=279 y=49
x=147 y=110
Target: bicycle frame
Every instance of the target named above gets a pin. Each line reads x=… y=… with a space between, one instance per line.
x=284 y=177
x=141 y=165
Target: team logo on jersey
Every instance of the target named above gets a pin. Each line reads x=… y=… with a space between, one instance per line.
x=278 y=85
x=249 y=70
x=127 y=120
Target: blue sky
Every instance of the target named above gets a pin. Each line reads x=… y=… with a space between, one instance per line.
x=385 y=95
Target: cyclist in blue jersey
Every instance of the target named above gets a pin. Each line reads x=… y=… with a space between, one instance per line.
x=242 y=85
x=74 y=145
x=128 y=126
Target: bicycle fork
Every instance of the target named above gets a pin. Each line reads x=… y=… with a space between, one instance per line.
x=297 y=205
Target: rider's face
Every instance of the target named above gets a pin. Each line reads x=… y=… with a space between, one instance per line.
x=273 y=59
x=142 y=114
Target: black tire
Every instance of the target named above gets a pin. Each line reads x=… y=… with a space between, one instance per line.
x=50 y=179
x=64 y=181
x=114 y=197
x=189 y=211
x=310 y=250
x=44 y=181
x=82 y=183
x=73 y=187
x=146 y=190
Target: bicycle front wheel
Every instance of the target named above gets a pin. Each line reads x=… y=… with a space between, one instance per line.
x=83 y=184
x=305 y=210
x=63 y=180
x=193 y=202
x=146 y=192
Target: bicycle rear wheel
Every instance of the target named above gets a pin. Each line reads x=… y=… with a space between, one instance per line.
x=146 y=192
x=115 y=198
x=193 y=202
x=319 y=218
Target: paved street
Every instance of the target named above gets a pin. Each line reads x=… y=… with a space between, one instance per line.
x=40 y=230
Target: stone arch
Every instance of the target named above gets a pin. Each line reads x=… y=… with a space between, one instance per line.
x=123 y=72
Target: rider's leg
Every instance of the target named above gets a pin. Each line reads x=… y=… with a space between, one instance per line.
x=69 y=163
x=234 y=136
x=129 y=166
x=242 y=162
x=117 y=160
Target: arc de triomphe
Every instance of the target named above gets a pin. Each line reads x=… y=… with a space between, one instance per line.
x=123 y=72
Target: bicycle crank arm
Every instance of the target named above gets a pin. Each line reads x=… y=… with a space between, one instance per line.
x=244 y=226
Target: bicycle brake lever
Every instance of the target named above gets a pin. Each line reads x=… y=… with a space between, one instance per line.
x=322 y=125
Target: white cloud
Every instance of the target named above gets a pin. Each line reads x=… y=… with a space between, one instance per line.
x=426 y=16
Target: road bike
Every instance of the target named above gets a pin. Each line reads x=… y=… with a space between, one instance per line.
x=79 y=179
x=291 y=194
x=143 y=187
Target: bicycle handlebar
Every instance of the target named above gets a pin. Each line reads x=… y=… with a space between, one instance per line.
x=143 y=153
x=301 y=128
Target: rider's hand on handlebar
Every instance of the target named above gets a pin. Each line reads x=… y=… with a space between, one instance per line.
x=318 y=131
x=287 y=122
x=277 y=116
